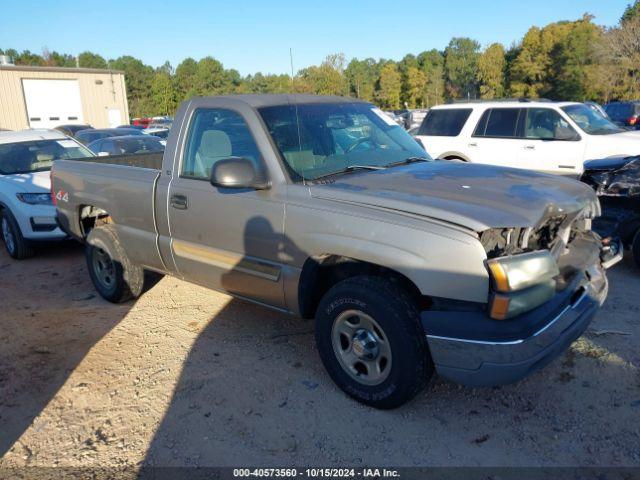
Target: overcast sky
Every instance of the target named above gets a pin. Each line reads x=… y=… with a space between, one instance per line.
x=253 y=36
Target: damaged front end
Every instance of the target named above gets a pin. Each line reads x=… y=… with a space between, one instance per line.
x=616 y=181
x=545 y=260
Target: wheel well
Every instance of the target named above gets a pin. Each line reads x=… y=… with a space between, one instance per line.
x=454 y=157
x=91 y=217
x=320 y=274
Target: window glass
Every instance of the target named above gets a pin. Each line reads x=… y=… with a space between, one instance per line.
x=324 y=138
x=444 y=122
x=501 y=122
x=138 y=144
x=38 y=155
x=547 y=124
x=589 y=121
x=216 y=134
x=482 y=124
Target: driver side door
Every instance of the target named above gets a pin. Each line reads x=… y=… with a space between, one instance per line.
x=223 y=238
x=551 y=144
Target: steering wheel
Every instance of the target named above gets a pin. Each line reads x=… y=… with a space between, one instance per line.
x=358 y=142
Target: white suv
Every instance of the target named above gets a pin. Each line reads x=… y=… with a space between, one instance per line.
x=27 y=213
x=555 y=137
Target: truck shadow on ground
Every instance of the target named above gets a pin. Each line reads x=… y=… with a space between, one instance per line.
x=253 y=392
x=44 y=332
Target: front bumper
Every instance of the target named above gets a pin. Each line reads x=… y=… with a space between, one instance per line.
x=471 y=349
x=38 y=222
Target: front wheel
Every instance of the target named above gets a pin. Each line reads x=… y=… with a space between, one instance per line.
x=17 y=246
x=371 y=342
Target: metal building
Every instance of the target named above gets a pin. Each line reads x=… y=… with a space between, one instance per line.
x=44 y=97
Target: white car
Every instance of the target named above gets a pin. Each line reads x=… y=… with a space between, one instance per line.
x=27 y=212
x=555 y=137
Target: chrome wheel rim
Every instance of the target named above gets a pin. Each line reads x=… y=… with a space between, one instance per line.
x=361 y=347
x=7 y=235
x=104 y=268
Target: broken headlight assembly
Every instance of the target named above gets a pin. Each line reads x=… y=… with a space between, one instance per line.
x=521 y=283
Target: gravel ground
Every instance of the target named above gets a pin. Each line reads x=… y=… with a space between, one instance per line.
x=186 y=376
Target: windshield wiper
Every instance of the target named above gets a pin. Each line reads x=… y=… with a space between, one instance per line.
x=350 y=168
x=407 y=161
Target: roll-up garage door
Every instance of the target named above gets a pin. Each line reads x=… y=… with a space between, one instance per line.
x=52 y=102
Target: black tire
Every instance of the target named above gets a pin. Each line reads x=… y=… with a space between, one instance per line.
x=17 y=246
x=635 y=248
x=396 y=314
x=113 y=275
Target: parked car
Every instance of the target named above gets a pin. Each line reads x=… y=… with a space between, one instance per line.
x=398 y=119
x=624 y=114
x=415 y=118
x=617 y=183
x=27 y=213
x=161 y=122
x=554 y=137
x=87 y=136
x=126 y=145
x=141 y=122
x=71 y=130
x=160 y=132
x=322 y=206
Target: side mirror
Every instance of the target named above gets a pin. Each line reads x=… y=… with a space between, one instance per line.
x=237 y=172
x=566 y=134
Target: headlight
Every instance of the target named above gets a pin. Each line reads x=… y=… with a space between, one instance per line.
x=521 y=283
x=35 y=198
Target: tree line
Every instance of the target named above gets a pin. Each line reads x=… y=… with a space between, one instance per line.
x=568 y=60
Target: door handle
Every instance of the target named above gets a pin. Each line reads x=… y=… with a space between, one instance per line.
x=529 y=147
x=179 y=201
x=473 y=144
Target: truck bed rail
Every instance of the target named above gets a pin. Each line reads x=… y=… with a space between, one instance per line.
x=141 y=160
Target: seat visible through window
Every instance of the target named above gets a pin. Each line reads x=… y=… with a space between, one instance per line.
x=214 y=135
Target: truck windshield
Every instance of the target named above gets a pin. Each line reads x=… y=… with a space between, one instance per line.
x=38 y=155
x=590 y=121
x=316 y=140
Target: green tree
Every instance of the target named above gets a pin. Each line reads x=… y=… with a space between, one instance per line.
x=211 y=78
x=184 y=79
x=572 y=58
x=632 y=11
x=91 y=60
x=389 y=86
x=461 y=66
x=432 y=64
x=163 y=95
x=361 y=76
x=415 y=83
x=55 y=59
x=491 y=67
x=138 y=78
x=326 y=79
x=26 y=57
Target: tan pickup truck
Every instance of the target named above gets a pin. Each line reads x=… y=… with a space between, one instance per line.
x=323 y=207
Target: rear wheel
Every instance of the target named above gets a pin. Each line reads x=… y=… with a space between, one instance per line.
x=113 y=275
x=635 y=248
x=14 y=242
x=371 y=343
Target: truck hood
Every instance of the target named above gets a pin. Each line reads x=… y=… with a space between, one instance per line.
x=477 y=197
x=36 y=182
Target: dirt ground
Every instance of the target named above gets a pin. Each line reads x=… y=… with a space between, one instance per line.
x=186 y=376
